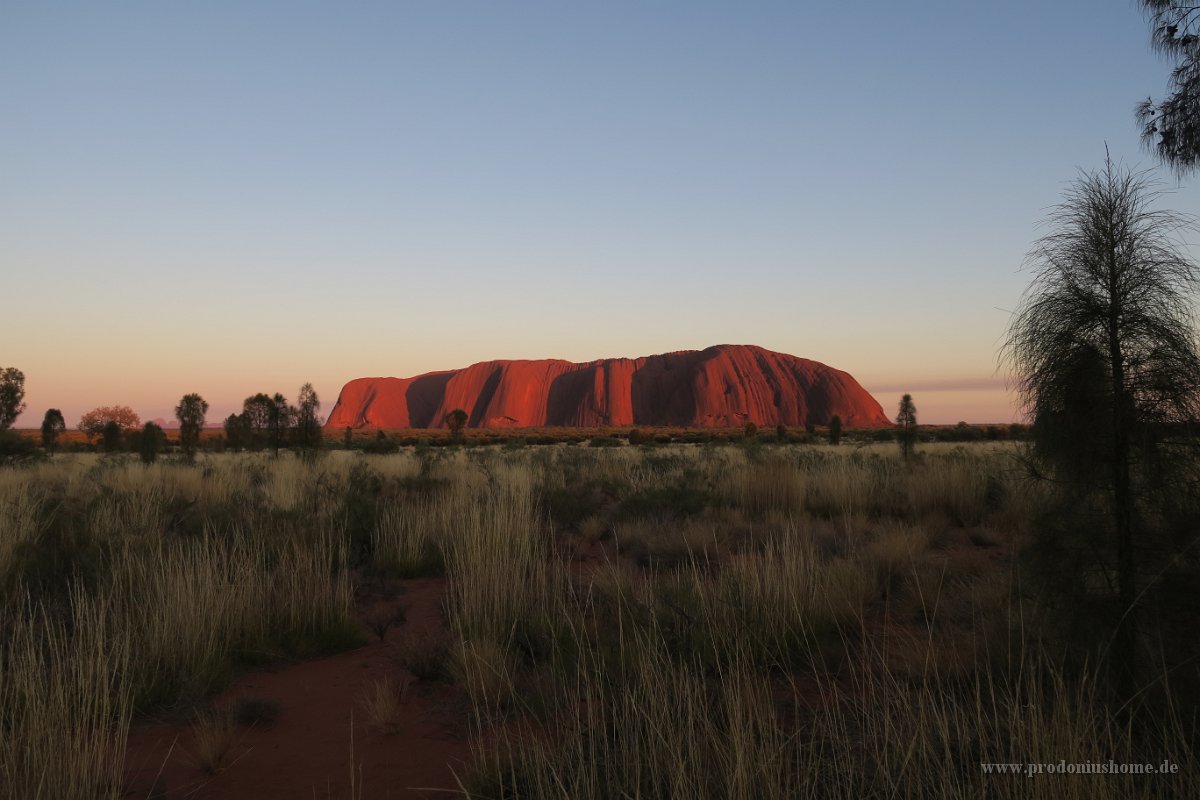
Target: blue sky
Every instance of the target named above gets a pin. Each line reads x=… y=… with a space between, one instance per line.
x=240 y=197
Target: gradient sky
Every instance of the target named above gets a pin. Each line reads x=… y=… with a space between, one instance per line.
x=237 y=197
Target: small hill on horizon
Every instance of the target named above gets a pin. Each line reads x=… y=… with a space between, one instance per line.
x=720 y=386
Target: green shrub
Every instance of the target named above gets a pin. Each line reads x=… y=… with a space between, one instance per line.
x=110 y=437
x=380 y=445
x=62 y=555
x=570 y=505
x=15 y=447
x=639 y=436
x=151 y=442
x=360 y=510
x=664 y=503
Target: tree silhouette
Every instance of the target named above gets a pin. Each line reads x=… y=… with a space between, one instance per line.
x=256 y=419
x=151 y=442
x=110 y=436
x=308 y=424
x=237 y=431
x=190 y=413
x=456 y=420
x=53 y=425
x=906 y=418
x=12 y=396
x=835 y=429
x=281 y=416
x=1104 y=354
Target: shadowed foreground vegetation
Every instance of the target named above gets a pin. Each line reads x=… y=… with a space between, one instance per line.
x=752 y=621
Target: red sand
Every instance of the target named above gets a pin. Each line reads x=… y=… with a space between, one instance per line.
x=308 y=751
x=723 y=386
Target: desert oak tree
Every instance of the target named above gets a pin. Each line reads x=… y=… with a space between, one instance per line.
x=308 y=424
x=1104 y=356
x=190 y=413
x=906 y=418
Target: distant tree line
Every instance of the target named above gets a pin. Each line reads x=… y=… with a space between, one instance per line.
x=266 y=421
x=270 y=421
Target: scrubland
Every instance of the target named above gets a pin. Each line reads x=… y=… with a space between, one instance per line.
x=666 y=621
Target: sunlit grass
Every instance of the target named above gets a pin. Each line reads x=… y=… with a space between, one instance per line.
x=697 y=621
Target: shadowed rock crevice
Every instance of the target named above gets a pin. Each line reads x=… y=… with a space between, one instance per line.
x=424 y=393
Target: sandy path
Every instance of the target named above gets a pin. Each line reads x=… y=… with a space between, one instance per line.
x=321 y=741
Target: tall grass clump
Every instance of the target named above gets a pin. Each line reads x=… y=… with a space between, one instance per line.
x=66 y=701
x=497 y=555
x=769 y=487
x=665 y=727
x=815 y=633
x=406 y=540
x=129 y=587
x=744 y=621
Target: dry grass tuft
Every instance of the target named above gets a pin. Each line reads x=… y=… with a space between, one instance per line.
x=214 y=733
x=383 y=703
x=424 y=652
x=772 y=621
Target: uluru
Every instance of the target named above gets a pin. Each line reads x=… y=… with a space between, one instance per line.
x=720 y=386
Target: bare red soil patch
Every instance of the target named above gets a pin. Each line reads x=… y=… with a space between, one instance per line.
x=321 y=744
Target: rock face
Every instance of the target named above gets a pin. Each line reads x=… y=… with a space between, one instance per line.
x=722 y=386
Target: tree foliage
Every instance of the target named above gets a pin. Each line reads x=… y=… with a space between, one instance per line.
x=111 y=438
x=271 y=421
x=53 y=425
x=254 y=421
x=150 y=442
x=456 y=420
x=835 y=429
x=1104 y=354
x=308 y=423
x=1171 y=127
x=257 y=411
x=190 y=413
x=93 y=422
x=906 y=418
x=280 y=419
x=12 y=396
x=237 y=432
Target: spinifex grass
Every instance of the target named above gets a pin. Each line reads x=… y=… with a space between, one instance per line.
x=128 y=587
x=747 y=621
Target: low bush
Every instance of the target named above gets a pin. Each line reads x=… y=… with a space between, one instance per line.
x=15 y=448
x=664 y=503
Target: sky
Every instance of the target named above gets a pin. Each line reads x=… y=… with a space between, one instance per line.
x=229 y=198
